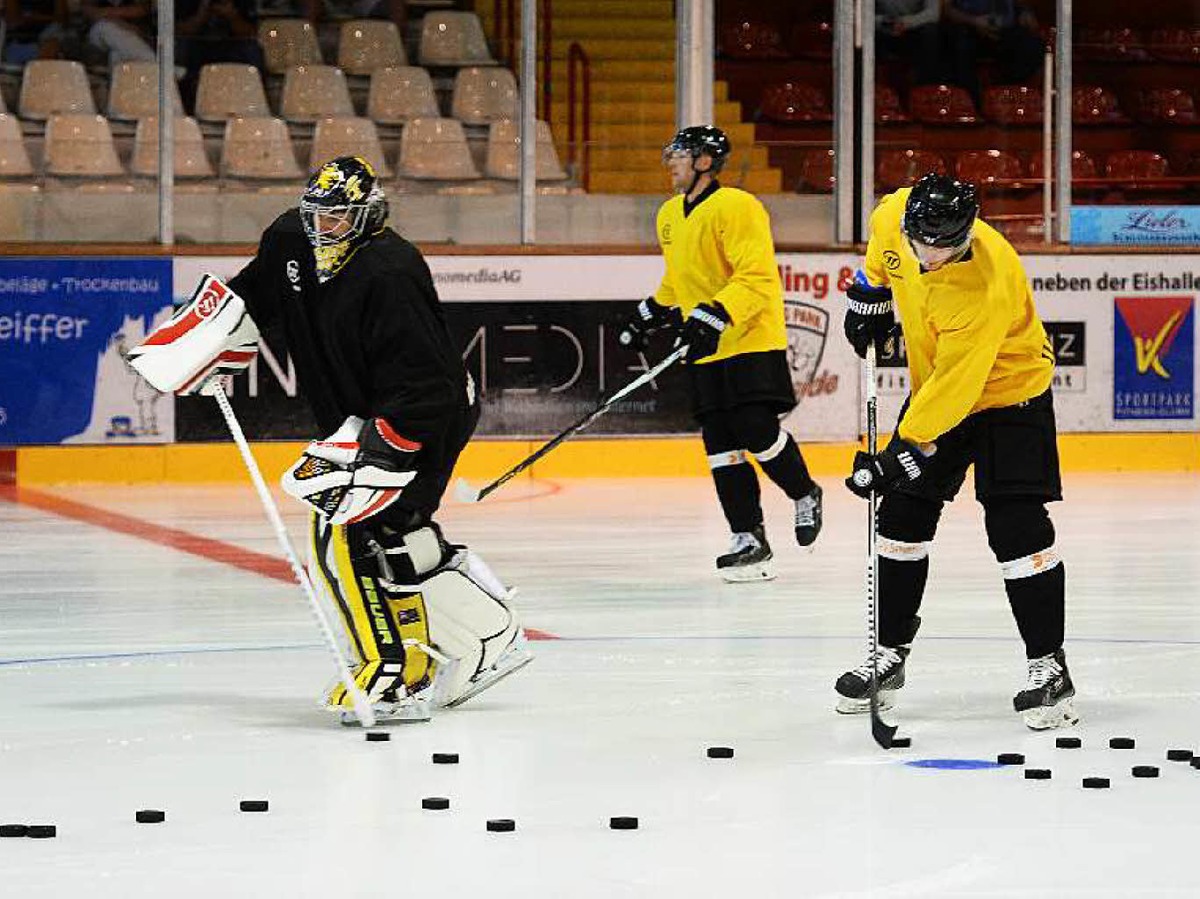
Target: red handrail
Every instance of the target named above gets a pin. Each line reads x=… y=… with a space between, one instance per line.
x=546 y=18
x=576 y=55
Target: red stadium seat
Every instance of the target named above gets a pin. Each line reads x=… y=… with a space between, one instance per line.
x=1111 y=45
x=887 y=105
x=816 y=172
x=749 y=39
x=1168 y=106
x=813 y=39
x=1082 y=166
x=941 y=104
x=1136 y=165
x=998 y=168
x=1013 y=104
x=902 y=168
x=1175 y=44
x=791 y=103
x=1093 y=105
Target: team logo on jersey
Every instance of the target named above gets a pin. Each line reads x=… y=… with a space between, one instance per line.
x=292 y=268
x=665 y=234
x=891 y=260
x=1153 y=357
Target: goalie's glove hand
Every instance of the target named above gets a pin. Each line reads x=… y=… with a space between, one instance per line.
x=650 y=316
x=868 y=315
x=703 y=329
x=381 y=446
x=899 y=463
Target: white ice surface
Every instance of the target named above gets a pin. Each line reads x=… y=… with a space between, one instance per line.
x=136 y=676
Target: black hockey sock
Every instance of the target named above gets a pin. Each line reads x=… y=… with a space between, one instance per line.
x=786 y=468
x=1039 y=607
x=738 y=491
x=901 y=586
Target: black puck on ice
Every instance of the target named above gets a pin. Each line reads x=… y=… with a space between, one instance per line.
x=42 y=831
x=1180 y=755
x=435 y=803
x=1037 y=773
x=623 y=822
x=1195 y=763
x=1121 y=743
x=445 y=758
x=501 y=825
x=1095 y=783
x=901 y=742
x=720 y=752
x=1010 y=758
x=149 y=816
x=378 y=736
x=13 y=830
x=253 y=805
x=1145 y=771
x=1067 y=742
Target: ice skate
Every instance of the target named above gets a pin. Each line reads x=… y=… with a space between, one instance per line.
x=395 y=706
x=853 y=687
x=515 y=657
x=749 y=558
x=808 y=517
x=1045 y=702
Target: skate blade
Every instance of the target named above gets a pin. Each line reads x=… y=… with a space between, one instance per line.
x=745 y=574
x=1048 y=717
x=490 y=680
x=847 y=706
x=404 y=714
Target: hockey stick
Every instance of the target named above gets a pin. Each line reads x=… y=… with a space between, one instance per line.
x=362 y=708
x=880 y=730
x=464 y=492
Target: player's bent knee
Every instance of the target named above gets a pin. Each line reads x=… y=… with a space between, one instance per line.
x=908 y=521
x=1018 y=529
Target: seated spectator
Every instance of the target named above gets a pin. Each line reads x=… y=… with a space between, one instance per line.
x=213 y=31
x=35 y=29
x=1006 y=29
x=909 y=30
x=118 y=29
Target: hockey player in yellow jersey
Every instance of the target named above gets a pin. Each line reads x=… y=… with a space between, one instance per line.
x=980 y=367
x=722 y=294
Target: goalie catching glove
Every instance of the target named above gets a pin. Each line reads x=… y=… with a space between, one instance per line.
x=210 y=337
x=355 y=473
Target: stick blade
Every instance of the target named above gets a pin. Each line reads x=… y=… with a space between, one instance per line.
x=883 y=732
x=464 y=492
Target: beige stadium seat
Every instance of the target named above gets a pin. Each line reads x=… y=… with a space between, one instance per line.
x=134 y=92
x=191 y=161
x=347 y=137
x=81 y=146
x=230 y=89
x=287 y=43
x=369 y=44
x=484 y=95
x=453 y=39
x=399 y=94
x=259 y=149
x=54 y=87
x=436 y=149
x=504 y=148
x=314 y=92
x=14 y=158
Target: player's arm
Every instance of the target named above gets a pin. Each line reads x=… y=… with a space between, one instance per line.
x=255 y=285
x=655 y=313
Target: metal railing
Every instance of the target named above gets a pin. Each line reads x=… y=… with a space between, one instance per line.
x=578 y=61
x=504 y=18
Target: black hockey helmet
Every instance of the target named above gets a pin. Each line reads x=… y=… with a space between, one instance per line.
x=342 y=207
x=940 y=211
x=698 y=140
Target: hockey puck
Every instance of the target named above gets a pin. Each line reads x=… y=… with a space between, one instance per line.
x=378 y=736
x=445 y=758
x=253 y=805
x=1196 y=761
x=901 y=742
x=42 y=831
x=1179 y=755
x=1010 y=758
x=1037 y=773
x=1095 y=783
x=1067 y=742
x=501 y=825
x=1121 y=743
x=1145 y=771
x=435 y=803
x=149 y=816
x=623 y=822
x=720 y=752
x=13 y=830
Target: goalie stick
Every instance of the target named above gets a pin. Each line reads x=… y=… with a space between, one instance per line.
x=464 y=492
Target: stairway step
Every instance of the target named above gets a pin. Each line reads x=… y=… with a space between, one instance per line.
x=650 y=91
x=650 y=136
x=646 y=158
x=620 y=70
x=758 y=181
x=582 y=29
x=595 y=9
x=631 y=112
x=601 y=50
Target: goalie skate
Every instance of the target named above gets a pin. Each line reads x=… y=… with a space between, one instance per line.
x=749 y=558
x=392 y=708
x=1046 y=700
x=514 y=657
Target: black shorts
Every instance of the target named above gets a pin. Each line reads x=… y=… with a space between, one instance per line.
x=1014 y=450
x=763 y=378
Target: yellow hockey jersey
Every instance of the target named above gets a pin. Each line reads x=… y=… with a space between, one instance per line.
x=973 y=336
x=722 y=251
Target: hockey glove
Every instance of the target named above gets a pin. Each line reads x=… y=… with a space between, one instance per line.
x=868 y=315
x=702 y=330
x=899 y=463
x=651 y=316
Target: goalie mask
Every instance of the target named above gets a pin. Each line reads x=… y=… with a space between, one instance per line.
x=342 y=208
